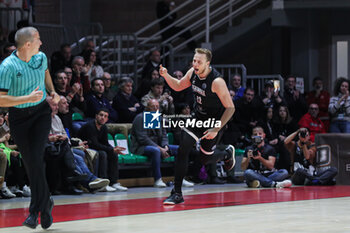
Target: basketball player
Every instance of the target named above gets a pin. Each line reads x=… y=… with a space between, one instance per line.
x=212 y=101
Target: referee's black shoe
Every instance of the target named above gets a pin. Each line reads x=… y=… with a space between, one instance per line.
x=230 y=161
x=31 y=221
x=46 y=216
x=174 y=198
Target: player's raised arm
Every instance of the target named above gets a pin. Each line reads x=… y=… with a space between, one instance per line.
x=176 y=84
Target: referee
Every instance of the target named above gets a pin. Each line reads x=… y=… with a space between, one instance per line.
x=24 y=82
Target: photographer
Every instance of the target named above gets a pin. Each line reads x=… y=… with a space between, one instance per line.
x=258 y=163
x=303 y=154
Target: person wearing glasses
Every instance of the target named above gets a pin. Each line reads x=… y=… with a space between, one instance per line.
x=25 y=87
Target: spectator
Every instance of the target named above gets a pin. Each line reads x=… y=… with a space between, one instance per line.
x=125 y=103
x=109 y=92
x=16 y=177
x=284 y=125
x=7 y=50
x=60 y=158
x=184 y=96
x=267 y=124
x=88 y=45
x=76 y=161
x=235 y=87
x=155 y=74
x=95 y=101
x=339 y=107
x=320 y=97
x=69 y=74
x=74 y=96
x=95 y=133
x=151 y=142
x=5 y=193
x=93 y=69
x=152 y=64
x=303 y=153
x=270 y=98
x=79 y=74
x=295 y=101
x=247 y=112
x=62 y=58
x=163 y=8
x=149 y=72
x=60 y=82
x=64 y=114
x=258 y=164
x=165 y=100
x=312 y=122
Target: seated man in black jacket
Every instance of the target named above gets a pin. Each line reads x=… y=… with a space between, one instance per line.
x=96 y=134
x=151 y=142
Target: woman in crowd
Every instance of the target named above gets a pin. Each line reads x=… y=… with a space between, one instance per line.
x=339 y=107
x=93 y=69
x=284 y=126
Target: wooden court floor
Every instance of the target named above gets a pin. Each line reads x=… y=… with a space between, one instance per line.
x=207 y=208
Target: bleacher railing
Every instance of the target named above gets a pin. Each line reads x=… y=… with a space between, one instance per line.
x=52 y=36
x=10 y=16
x=118 y=54
x=222 y=12
x=83 y=32
x=228 y=70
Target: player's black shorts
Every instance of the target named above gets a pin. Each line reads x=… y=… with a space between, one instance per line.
x=206 y=146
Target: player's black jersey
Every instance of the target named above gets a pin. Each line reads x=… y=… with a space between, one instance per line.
x=206 y=103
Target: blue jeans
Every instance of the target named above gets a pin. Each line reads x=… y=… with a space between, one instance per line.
x=82 y=168
x=265 y=181
x=339 y=126
x=82 y=154
x=156 y=156
x=320 y=178
x=76 y=125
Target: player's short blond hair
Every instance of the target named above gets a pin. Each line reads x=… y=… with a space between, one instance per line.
x=207 y=53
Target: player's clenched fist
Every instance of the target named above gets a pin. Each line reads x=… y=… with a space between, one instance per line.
x=162 y=70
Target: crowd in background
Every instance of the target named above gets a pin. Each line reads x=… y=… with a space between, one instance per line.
x=85 y=88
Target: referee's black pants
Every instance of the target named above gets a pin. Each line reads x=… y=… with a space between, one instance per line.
x=30 y=129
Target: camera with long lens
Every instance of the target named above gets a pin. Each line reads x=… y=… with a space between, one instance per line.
x=256 y=140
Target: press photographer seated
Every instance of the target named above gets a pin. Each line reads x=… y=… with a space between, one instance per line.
x=303 y=156
x=258 y=164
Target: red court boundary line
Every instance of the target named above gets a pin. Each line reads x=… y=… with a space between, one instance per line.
x=71 y=212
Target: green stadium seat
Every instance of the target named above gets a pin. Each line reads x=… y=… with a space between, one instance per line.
x=170 y=138
x=77 y=117
x=111 y=140
x=239 y=152
x=129 y=157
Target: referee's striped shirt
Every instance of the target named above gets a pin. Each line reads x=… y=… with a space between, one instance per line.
x=19 y=78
